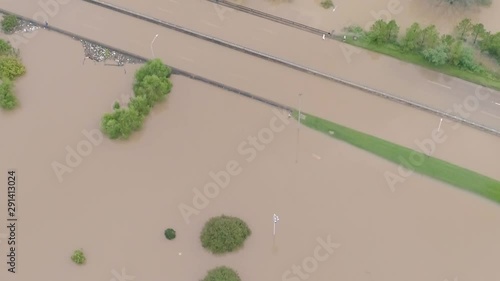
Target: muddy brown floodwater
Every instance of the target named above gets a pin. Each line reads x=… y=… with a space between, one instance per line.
x=117 y=202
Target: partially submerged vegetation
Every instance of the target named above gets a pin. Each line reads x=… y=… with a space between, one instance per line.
x=78 y=257
x=327 y=4
x=151 y=86
x=222 y=273
x=224 y=234
x=450 y=54
x=9 y=23
x=11 y=68
x=406 y=157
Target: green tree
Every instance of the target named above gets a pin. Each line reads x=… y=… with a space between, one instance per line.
x=153 y=88
x=455 y=52
x=8 y=100
x=463 y=28
x=392 y=31
x=11 y=68
x=447 y=39
x=412 y=38
x=430 y=37
x=224 y=234
x=9 y=23
x=222 y=273
x=491 y=44
x=437 y=55
x=477 y=30
x=170 y=234
x=5 y=48
x=153 y=67
x=141 y=105
x=378 y=32
x=78 y=257
x=121 y=123
x=116 y=105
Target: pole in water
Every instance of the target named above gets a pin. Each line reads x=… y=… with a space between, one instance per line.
x=276 y=219
x=441 y=121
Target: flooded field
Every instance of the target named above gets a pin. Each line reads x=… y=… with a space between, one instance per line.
x=117 y=202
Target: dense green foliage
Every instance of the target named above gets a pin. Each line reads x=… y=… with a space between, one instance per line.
x=170 y=233
x=432 y=167
x=222 y=273
x=327 y=4
x=224 y=234
x=9 y=23
x=78 y=257
x=451 y=54
x=8 y=100
x=151 y=86
x=10 y=69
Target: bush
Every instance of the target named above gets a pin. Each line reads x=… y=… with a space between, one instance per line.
x=224 y=234
x=116 y=105
x=222 y=273
x=437 y=55
x=170 y=233
x=121 y=123
x=5 y=48
x=327 y=4
x=154 y=88
x=9 y=23
x=153 y=67
x=140 y=104
x=7 y=99
x=11 y=68
x=78 y=257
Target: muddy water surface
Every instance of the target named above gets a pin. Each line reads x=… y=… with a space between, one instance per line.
x=117 y=202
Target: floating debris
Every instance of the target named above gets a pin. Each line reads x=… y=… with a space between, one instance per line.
x=26 y=26
x=99 y=54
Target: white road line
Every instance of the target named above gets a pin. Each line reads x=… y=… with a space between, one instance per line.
x=489 y=114
x=496 y=103
x=447 y=87
x=316 y=156
x=186 y=59
x=210 y=24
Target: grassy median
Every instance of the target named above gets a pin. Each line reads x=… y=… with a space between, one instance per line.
x=429 y=166
x=395 y=52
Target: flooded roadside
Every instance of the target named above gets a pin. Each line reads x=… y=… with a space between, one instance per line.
x=117 y=202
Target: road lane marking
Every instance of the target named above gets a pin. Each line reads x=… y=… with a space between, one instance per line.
x=489 y=114
x=447 y=87
x=496 y=103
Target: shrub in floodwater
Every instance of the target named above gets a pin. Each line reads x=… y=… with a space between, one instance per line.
x=154 y=88
x=140 y=104
x=170 y=233
x=5 y=48
x=11 y=67
x=327 y=4
x=9 y=23
x=222 y=273
x=153 y=67
x=78 y=257
x=7 y=99
x=224 y=234
x=121 y=123
x=116 y=105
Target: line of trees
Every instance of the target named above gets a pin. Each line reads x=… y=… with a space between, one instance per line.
x=11 y=68
x=150 y=87
x=439 y=49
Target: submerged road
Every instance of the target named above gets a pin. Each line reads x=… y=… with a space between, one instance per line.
x=383 y=73
x=229 y=67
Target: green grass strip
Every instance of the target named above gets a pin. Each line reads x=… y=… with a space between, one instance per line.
x=396 y=52
x=430 y=166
